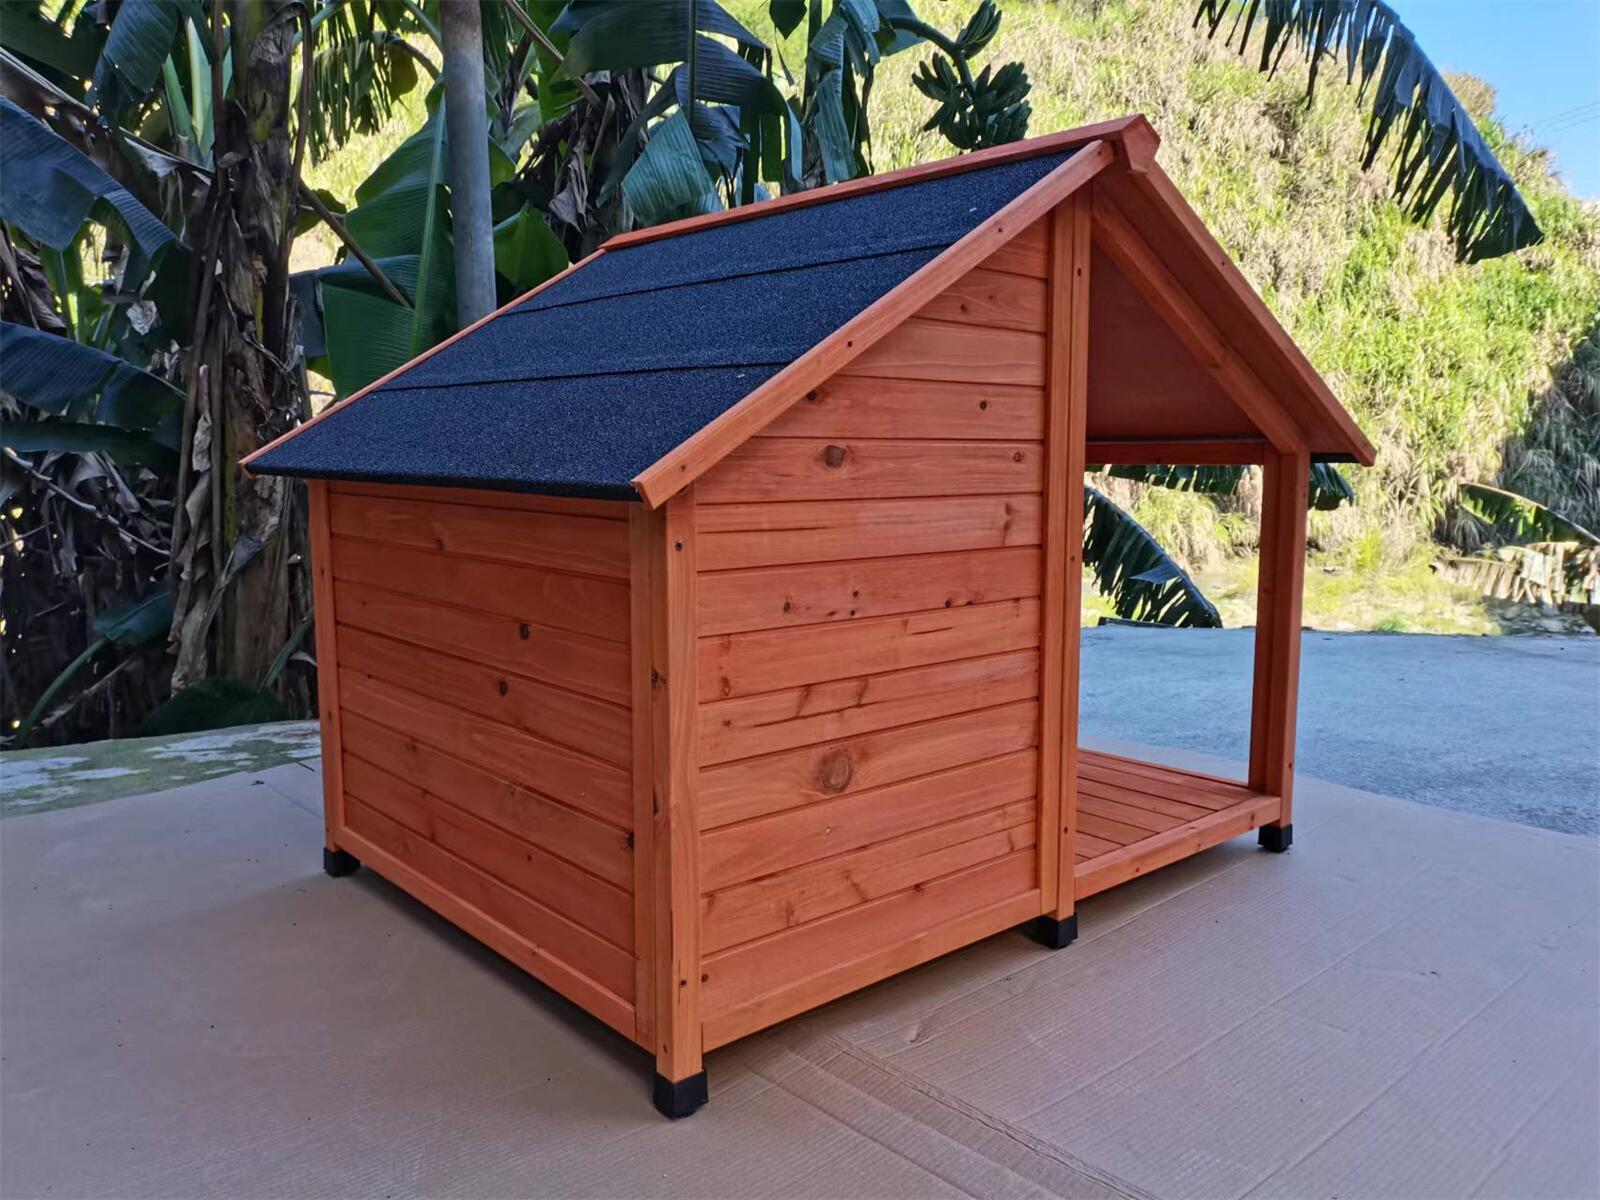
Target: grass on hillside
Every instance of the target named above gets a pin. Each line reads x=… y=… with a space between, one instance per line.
x=1449 y=368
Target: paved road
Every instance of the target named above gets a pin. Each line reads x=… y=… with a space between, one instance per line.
x=1506 y=727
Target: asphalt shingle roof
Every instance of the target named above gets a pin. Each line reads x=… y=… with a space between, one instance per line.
x=587 y=383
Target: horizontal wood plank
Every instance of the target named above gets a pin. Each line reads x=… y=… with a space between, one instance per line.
x=754 y=787
x=569 y=980
x=763 y=906
x=585 y=900
x=531 y=921
x=752 y=725
x=782 y=468
x=607 y=510
x=579 y=603
x=574 y=835
x=993 y=298
x=743 y=664
x=755 y=535
x=596 y=787
x=814 y=593
x=914 y=408
x=598 y=727
x=829 y=827
x=922 y=349
x=1161 y=849
x=597 y=666
x=553 y=541
x=807 y=966
x=1026 y=254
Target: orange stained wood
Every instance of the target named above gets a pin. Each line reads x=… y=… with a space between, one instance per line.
x=1277 y=659
x=769 y=721
x=473 y=901
x=601 y=909
x=559 y=939
x=601 y=728
x=991 y=299
x=813 y=593
x=581 y=662
x=1183 y=316
x=578 y=603
x=892 y=312
x=1152 y=202
x=819 y=830
x=846 y=406
x=754 y=787
x=644 y=535
x=1068 y=402
x=777 y=534
x=746 y=911
x=567 y=775
x=1134 y=817
x=784 y=468
x=759 y=983
x=743 y=664
x=330 y=714
x=574 y=835
x=676 y=898
x=551 y=541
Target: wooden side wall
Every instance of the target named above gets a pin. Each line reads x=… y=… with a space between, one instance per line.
x=477 y=676
x=869 y=573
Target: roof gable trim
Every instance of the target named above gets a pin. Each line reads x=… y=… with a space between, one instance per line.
x=689 y=460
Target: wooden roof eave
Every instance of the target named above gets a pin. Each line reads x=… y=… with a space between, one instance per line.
x=686 y=462
x=1148 y=199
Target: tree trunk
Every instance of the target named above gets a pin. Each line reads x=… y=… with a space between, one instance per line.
x=467 y=126
x=238 y=543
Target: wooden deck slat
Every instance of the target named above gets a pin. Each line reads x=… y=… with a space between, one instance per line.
x=1134 y=817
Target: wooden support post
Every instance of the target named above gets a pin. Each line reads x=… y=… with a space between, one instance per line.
x=680 y=1085
x=335 y=860
x=1067 y=408
x=1277 y=661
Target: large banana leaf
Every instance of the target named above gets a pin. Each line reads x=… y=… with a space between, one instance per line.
x=1509 y=517
x=48 y=189
x=669 y=179
x=526 y=252
x=78 y=437
x=1135 y=573
x=1326 y=489
x=61 y=377
x=1437 y=146
x=68 y=56
x=142 y=35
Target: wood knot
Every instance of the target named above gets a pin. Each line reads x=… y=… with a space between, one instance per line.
x=524 y=632
x=833 y=456
x=504 y=687
x=835 y=771
x=1017 y=457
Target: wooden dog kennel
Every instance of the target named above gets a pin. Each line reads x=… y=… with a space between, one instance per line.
x=700 y=631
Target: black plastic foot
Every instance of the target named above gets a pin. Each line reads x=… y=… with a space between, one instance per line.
x=1054 y=934
x=679 y=1098
x=1276 y=838
x=339 y=862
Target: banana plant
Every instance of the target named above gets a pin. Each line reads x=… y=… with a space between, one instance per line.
x=1534 y=554
x=1438 y=149
x=1130 y=568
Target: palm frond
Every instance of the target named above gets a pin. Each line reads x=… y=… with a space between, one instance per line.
x=362 y=71
x=1437 y=146
x=1326 y=491
x=1508 y=517
x=1141 y=579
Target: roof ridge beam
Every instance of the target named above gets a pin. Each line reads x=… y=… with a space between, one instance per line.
x=685 y=463
x=1133 y=136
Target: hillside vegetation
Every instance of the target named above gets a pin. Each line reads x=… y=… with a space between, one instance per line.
x=1455 y=372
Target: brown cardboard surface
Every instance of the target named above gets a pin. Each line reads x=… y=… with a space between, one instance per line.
x=1406 y=1004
